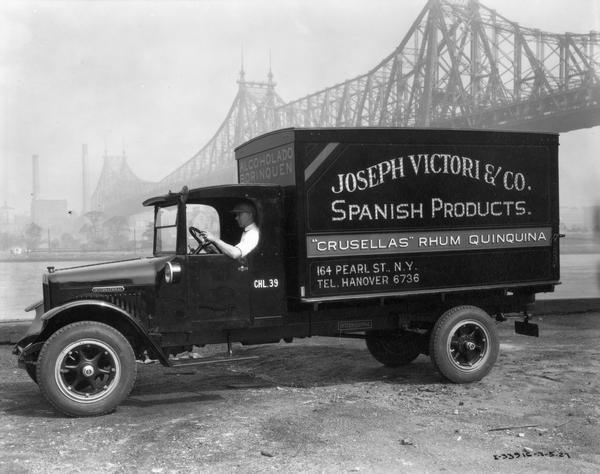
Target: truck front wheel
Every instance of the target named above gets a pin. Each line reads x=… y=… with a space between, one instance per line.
x=86 y=369
x=464 y=344
x=393 y=348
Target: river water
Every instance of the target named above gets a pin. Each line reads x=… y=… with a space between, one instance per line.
x=21 y=285
x=21 y=282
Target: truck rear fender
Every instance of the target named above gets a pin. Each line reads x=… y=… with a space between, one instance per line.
x=104 y=312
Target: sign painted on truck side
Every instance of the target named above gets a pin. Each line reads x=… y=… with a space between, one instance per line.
x=394 y=218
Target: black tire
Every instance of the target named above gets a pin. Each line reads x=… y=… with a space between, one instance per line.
x=86 y=369
x=394 y=348
x=464 y=344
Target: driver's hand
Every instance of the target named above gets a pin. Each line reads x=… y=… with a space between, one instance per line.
x=208 y=235
x=210 y=249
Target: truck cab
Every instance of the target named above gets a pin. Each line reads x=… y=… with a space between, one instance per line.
x=204 y=292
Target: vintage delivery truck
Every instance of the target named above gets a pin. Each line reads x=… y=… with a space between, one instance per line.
x=417 y=240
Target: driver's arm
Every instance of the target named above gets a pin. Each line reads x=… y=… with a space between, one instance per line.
x=228 y=249
x=212 y=248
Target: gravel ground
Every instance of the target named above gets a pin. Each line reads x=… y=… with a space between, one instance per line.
x=325 y=405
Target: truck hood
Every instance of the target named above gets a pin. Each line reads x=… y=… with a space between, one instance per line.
x=137 y=272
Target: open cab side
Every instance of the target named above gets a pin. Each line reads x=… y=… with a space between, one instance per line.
x=206 y=296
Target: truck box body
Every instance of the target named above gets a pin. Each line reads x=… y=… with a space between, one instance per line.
x=375 y=212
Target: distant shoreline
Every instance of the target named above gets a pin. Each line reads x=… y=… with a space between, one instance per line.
x=572 y=243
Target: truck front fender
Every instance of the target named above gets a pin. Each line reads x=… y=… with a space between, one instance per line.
x=92 y=310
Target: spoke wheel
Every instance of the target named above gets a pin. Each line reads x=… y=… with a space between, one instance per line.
x=464 y=344
x=86 y=368
x=468 y=345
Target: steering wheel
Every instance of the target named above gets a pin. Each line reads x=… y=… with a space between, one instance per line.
x=202 y=241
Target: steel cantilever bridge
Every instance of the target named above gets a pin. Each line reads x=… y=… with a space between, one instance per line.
x=461 y=65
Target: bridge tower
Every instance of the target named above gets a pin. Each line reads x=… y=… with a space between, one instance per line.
x=117 y=182
x=252 y=113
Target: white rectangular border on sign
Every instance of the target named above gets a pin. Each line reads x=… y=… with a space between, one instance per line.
x=382 y=243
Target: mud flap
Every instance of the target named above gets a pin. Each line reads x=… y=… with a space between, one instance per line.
x=527 y=329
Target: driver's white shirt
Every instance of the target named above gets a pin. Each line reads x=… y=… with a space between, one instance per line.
x=249 y=239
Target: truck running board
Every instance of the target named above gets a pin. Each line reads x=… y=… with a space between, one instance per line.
x=186 y=362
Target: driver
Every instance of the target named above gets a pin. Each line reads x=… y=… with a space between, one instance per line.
x=245 y=215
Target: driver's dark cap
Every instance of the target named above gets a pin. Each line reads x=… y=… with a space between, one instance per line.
x=243 y=207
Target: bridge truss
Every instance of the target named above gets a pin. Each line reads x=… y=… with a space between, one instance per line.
x=461 y=65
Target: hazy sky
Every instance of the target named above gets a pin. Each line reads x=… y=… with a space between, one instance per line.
x=157 y=78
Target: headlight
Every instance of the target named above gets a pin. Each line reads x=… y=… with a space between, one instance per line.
x=173 y=272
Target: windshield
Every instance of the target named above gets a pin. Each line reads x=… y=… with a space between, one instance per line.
x=202 y=217
x=165 y=230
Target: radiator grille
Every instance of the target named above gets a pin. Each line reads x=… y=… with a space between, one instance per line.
x=130 y=302
x=133 y=302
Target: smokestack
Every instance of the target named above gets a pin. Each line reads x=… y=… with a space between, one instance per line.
x=84 y=176
x=36 y=176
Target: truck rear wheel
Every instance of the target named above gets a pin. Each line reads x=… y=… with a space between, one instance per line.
x=86 y=369
x=393 y=348
x=464 y=344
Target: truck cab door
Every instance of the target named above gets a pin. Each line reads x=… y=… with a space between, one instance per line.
x=267 y=287
x=218 y=291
